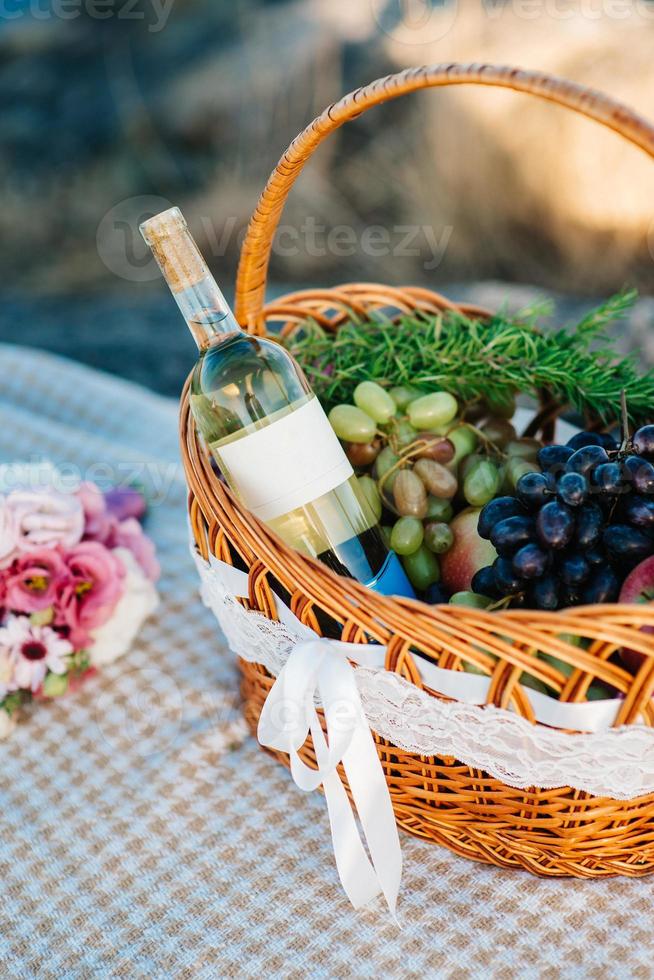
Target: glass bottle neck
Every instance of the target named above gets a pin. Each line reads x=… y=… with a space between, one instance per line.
x=206 y=311
x=201 y=302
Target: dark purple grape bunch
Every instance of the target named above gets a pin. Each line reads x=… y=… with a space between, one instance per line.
x=574 y=530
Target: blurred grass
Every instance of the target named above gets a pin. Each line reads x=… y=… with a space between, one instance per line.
x=499 y=190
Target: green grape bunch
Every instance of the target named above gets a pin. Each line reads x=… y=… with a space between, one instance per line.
x=421 y=461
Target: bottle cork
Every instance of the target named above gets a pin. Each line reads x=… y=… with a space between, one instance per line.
x=175 y=251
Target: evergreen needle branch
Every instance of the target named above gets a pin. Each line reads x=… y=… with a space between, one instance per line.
x=493 y=359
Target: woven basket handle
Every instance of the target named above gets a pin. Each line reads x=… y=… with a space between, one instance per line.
x=255 y=254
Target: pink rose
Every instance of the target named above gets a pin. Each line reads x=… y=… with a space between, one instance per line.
x=98 y=522
x=129 y=534
x=44 y=518
x=103 y=511
x=34 y=579
x=94 y=586
x=112 y=519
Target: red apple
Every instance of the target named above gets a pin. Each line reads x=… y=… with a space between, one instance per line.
x=638 y=587
x=468 y=553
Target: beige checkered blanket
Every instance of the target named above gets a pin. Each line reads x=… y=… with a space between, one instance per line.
x=143 y=834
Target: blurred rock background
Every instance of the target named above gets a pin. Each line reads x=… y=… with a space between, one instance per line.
x=112 y=109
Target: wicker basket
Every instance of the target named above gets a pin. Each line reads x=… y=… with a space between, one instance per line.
x=549 y=832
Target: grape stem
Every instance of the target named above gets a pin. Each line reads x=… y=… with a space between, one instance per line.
x=502 y=603
x=461 y=423
x=624 y=419
x=481 y=435
x=419 y=445
x=413 y=449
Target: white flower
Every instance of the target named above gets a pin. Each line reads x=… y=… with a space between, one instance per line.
x=138 y=601
x=44 y=518
x=6 y=672
x=32 y=650
x=7 y=724
x=39 y=508
x=7 y=535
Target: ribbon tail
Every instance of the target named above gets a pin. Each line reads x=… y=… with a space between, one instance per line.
x=358 y=877
x=288 y=716
x=365 y=777
x=372 y=800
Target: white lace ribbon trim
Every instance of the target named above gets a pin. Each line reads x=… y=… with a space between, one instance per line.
x=607 y=762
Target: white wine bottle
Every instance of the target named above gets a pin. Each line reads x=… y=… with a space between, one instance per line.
x=266 y=429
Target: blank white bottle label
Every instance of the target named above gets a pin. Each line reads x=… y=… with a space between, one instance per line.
x=286 y=464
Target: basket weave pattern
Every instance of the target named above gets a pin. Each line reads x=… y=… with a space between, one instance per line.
x=548 y=832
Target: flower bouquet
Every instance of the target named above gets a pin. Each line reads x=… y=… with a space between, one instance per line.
x=77 y=580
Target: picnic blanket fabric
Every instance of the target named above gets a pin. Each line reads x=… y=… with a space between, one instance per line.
x=143 y=832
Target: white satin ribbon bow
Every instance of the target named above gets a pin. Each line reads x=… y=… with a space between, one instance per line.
x=319 y=666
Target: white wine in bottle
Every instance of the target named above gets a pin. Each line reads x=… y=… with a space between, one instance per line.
x=266 y=428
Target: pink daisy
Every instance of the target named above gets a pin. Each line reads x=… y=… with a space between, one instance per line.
x=33 y=650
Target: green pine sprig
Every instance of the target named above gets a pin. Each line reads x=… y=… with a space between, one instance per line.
x=494 y=359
